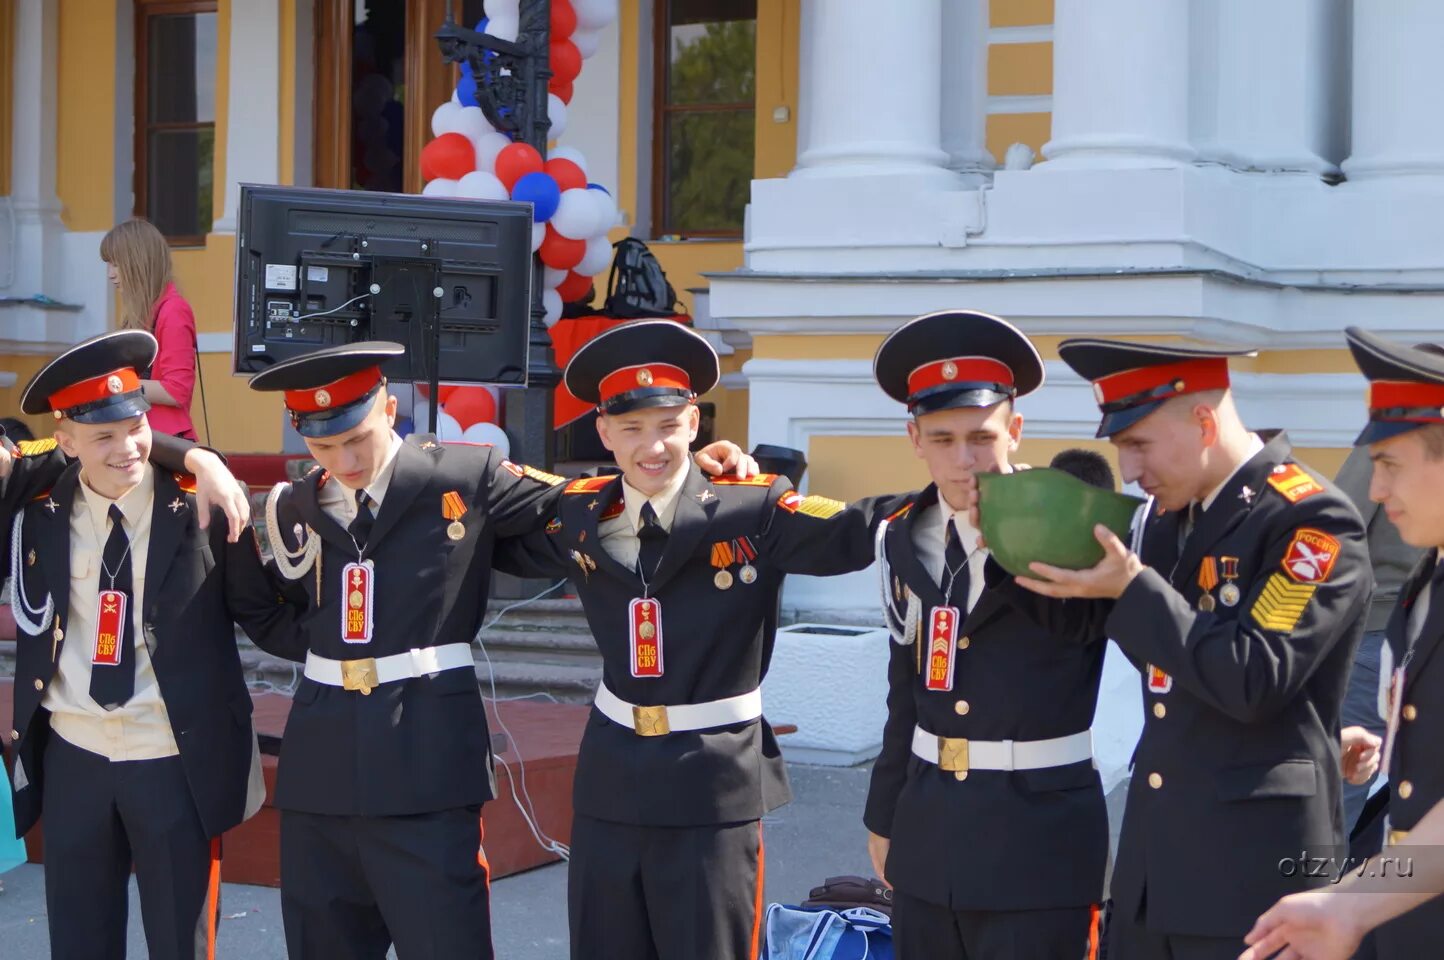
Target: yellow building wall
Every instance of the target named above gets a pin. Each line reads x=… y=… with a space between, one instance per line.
x=1017 y=70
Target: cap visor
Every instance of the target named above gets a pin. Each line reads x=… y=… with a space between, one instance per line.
x=329 y=424
x=950 y=399
x=639 y=403
x=1115 y=423
x=122 y=409
x=1377 y=430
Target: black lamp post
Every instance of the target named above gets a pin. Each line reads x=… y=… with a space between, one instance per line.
x=511 y=89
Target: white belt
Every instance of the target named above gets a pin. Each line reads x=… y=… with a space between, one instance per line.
x=655 y=721
x=371 y=672
x=958 y=755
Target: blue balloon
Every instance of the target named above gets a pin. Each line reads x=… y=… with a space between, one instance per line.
x=466 y=87
x=404 y=426
x=541 y=191
x=598 y=186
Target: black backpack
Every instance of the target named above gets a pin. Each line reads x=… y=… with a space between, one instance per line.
x=637 y=287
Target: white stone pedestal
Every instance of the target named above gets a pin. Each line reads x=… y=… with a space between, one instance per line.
x=831 y=681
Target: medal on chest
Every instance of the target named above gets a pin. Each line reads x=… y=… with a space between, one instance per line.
x=1391 y=727
x=358 y=601
x=644 y=631
x=109 y=628
x=1207 y=580
x=1229 y=594
x=942 y=647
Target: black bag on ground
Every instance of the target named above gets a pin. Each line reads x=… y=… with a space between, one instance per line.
x=843 y=893
x=637 y=286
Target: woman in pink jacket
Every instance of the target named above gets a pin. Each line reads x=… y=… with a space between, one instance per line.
x=137 y=258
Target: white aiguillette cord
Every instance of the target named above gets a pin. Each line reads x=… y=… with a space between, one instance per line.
x=293 y=565
x=29 y=618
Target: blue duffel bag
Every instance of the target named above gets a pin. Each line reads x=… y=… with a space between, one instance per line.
x=823 y=933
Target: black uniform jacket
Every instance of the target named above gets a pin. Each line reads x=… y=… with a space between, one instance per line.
x=995 y=840
x=197 y=587
x=1237 y=769
x=717 y=642
x=1415 y=752
x=409 y=746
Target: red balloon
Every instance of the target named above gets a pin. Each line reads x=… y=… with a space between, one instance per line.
x=566 y=173
x=564 y=19
x=515 y=161
x=559 y=252
x=423 y=390
x=450 y=155
x=471 y=405
x=566 y=60
x=574 y=287
x=562 y=90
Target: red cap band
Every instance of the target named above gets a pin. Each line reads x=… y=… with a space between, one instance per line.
x=336 y=394
x=959 y=370
x=641 y=377
x=98 y=388
x=1143 y=383
x=1394 y=394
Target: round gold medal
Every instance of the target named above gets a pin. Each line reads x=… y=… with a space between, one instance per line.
x=1206 y=603
x=723 y=579
x=456 y=530
x=748 y=574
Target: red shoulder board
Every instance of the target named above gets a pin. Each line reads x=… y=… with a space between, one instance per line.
x=35 y=448
x=901 y=513
x=1293 y=483
x=588 y=484
x=732 y=480
x=186 y=482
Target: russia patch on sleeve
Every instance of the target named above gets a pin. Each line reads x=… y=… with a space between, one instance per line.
x=1311 y=556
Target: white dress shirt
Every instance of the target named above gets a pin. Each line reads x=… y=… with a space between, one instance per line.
x=619 y=534
x=339 y=501
x=929 y=540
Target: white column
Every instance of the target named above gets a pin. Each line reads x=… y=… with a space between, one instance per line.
x=253 y=116
x=871 y=98
x=1268 y=93
x=965 y=88
x=1120 y=84
x=1398 y=73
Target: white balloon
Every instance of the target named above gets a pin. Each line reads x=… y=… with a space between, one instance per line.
x=597 y=258
x=594 y=14
x=552 y=277
x=470 y=121
x=421 y=414
x=488 y=433
x=556 y=115
x=456 y=97
x=446 y=427
x=443 y=118
x=552 y=303
x=440 y=187
x=503 y=8
x=504 y=27
x=588 y=42
x=487 y=146
x=577 y=216
x=538 y=234
x=569 y=153
x=607 y=212
x=480 y=185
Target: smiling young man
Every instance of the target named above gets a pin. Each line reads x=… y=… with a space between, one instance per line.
x=679 y=576
x=1242 y=612
x=985 y=812
x=1405 y=438
x=132 y=719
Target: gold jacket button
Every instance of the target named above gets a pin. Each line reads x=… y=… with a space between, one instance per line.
x=58 y=634
x=964 y=642
x=14 y=735
x=1155 y=780
x=960 y=774
x=961 y=707
x=39 y=684
x=1406 y=789
x=1410 y=711
x=1160 y=711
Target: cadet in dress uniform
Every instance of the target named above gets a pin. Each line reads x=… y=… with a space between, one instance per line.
x=132 y=718
x=387 y=548
x=984 y=801
x=1243 y=613
x=678 y=575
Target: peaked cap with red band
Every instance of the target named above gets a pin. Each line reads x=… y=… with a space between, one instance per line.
x=1131 y=380
x=95 y=381
x=1406 y=384
x=956 y=358
x=329 y=391
x=649 y=363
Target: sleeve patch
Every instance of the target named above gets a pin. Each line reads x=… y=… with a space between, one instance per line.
x=1294 y=483
x=1282 y=603
x=1311 y=556
x=35 y=448
x=732 y=480
x=541 y=476
x=820 y=507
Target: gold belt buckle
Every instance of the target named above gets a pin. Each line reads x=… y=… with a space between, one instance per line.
x=1397 y=837
x=650 y=721
x=359 y=675
x=953 y=754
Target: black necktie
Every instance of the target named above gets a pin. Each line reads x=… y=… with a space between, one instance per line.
x=652 y=540
x=954 y=582
x=360 y=527
x=112 y=686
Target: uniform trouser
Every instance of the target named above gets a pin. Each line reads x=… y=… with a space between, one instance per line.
x=665 y=893
x=353 y=886
x=1418 y=933
x=927 y=931
x=1361 y=709
x=102 y=818
x=1129 y=939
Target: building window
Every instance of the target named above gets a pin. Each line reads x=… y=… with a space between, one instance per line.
x=705 y=92
x=175 y=116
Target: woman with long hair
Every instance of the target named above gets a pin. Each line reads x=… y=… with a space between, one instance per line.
x=138 y=262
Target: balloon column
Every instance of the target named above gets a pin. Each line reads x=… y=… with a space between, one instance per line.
x=469 y=158
x=468 y=413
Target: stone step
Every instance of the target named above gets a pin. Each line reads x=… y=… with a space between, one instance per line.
x=564 y=682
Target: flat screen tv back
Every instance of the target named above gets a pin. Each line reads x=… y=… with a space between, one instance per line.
x=448 y=278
